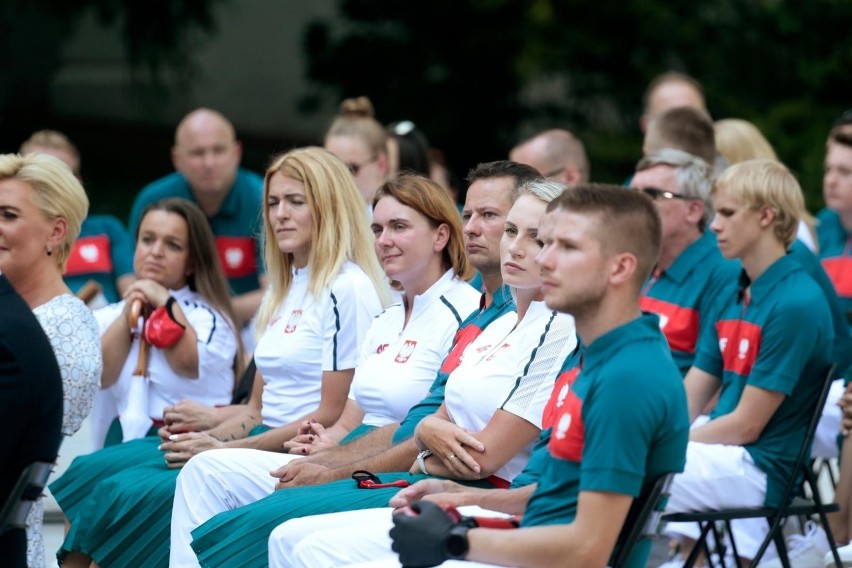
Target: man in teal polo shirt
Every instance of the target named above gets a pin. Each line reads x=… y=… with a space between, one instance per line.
x=690 y=272
x=207 y=156
x=766 y=354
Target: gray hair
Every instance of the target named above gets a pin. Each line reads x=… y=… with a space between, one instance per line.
x=694 y=176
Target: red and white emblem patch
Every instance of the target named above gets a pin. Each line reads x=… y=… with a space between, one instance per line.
x=293 y=322
x=405 y=351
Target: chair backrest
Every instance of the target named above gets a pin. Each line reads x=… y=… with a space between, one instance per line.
x=804 y=456
x=26 y=491
x=643 y=518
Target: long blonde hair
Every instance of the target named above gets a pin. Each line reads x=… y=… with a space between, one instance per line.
x=340 y=229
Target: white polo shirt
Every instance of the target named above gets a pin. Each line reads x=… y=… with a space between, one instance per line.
x=142 y=399
x=510 y=369
x=398 y=364
x=310 y=335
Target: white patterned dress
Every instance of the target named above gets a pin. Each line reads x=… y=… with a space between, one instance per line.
x=74 y=337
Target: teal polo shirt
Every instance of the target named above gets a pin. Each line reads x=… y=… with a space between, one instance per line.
x=469 y=329
x=237 y=225
x=103 y=252
x=835 y=254
x=842 y=349
x=684 y=295
x=613 y=428
x=776 y=334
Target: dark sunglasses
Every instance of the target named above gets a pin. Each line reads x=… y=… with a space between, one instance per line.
x=355 y=168
x=656 y=193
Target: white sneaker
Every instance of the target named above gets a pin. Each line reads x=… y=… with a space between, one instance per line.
x=845 y=553
x=804 y=551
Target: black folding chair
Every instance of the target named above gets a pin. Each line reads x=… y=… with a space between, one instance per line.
x=643 y=519
x=26 y=491
x=793 y=505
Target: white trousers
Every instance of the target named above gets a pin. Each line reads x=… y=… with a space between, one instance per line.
x=213 y=482
x=825 y=441
x=718 y=476
x=343 y=539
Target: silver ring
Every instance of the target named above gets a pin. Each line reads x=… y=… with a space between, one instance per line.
x=452 y=457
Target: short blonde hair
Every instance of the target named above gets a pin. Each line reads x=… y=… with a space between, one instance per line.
x=767 y=183
x=340 y=230
x=58 y=194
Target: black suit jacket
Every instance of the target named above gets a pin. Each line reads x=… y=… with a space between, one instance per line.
x=30 y=403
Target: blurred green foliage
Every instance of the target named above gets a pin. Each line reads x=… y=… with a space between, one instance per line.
x=477 y=75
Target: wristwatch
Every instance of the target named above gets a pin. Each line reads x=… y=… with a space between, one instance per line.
x=421 y=460
x=456 y=543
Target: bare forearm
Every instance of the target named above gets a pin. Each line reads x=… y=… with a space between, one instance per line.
x=183 y=355
x=273 y=440
x=545 y=546
x=238 y=425
x=397 y=458
x=511 y=501
x=728 y=430
x=369 y=445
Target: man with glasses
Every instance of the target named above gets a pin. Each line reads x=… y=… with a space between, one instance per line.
x=206 y=155
x=690 y=272
x=556 y=154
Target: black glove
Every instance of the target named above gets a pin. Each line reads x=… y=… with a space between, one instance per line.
x=430 y=537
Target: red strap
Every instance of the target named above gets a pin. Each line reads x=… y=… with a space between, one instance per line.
x=161 y=330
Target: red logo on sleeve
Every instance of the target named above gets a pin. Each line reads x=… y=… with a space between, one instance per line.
x=678 y=324
x=464 y=337
x=568 y=437
x=839 y=270
x=558 y=395
x=405 y=351
x=89 y=255
x=739 y=343
x=237 y=255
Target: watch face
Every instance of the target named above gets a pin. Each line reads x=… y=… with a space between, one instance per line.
x=456 y=542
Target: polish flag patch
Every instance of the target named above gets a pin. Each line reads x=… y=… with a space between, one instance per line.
x=405 y=351
x=293 y=322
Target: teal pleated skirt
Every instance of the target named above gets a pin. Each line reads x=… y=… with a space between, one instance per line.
x=78 y=482
x=238 y=538
x=119 y=503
